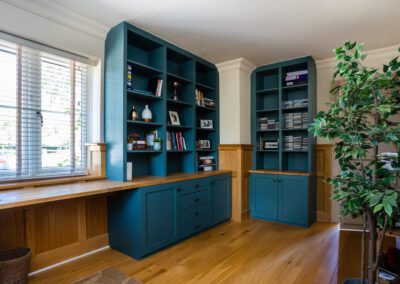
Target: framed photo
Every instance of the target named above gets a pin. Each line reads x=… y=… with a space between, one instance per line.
x=204 y=144
x=270 y=145
x=174 y=117
x=206 y=123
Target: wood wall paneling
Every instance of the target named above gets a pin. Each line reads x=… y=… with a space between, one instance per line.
x=324 y=170
x=238 y=159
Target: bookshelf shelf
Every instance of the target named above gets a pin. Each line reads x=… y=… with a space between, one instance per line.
x=151 y=61
x=178 y=102
x=268 y=151
x=203 y=108
x=268 y=91
x=140 y=122
x=144 y=69
x=144 y=95
x=268 y=110
x=294 y=87
x=268 y=130
x=295 y=129
x=206 y=129
x=206 y=150
x=303 y=108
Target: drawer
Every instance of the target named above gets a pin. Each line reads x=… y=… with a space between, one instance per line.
x=196 y=212
x=193 y=227
x=197 y=198
x=194 y=186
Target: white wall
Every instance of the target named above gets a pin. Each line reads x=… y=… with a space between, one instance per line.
x=234 y=90
x=20 y=22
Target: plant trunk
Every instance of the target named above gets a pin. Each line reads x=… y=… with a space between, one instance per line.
x=372 y=267
x=363 y=248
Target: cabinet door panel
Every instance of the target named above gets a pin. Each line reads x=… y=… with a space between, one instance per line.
x=293 y=200
x=221 y=204
x=264 y=197
x=159 y=221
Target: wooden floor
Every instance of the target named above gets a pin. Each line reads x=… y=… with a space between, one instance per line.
x=255 y=252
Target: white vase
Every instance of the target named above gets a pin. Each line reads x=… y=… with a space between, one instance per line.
x=129 y=146
x=146 y=114
x=157 y=146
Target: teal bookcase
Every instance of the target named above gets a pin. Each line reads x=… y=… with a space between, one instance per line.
x=283 y=182
x=153 y=58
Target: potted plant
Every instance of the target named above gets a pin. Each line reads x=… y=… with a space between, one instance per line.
x=157 y=144
x=129 y=145
x=360 y=118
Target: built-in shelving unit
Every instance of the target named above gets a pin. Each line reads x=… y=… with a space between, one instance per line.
x=269 y=94
x=153 y=58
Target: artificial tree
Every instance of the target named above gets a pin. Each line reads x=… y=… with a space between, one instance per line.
x=360 y=118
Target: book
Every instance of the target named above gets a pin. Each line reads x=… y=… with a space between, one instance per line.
x=296 y=73
x=129 y=77
x=155 y=86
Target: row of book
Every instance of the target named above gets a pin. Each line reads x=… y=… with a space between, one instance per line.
x=295 y=103
x=201 y=100
x=206 y=163
x=175 y=141
x=267 y=124
x=296 y=78
x=296 y=120
x=295 y=143
x=154 y=88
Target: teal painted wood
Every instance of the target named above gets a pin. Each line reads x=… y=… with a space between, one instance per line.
x=264 y=197
x=152 y=57
x=293 y=200
x=221 y=199
x=145 y=220
x=159 y=217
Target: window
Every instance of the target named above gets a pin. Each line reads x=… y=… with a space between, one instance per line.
x=43 y=113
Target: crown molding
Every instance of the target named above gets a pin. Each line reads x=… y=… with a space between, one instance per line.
x=235 y=64
x=386 y=53
x=61 y=15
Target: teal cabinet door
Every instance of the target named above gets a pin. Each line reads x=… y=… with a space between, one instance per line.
x=221 y=199
x=293 y=200
x=264 y=196
x=159 y=217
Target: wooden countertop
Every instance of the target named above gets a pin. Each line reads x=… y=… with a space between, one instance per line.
x=37 y=195
x=273 y=172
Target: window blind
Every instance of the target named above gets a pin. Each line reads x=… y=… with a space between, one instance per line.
x=43 y=114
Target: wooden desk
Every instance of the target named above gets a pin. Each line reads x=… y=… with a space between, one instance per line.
x=37 y=195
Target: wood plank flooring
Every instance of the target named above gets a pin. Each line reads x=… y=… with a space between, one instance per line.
x=254 y=252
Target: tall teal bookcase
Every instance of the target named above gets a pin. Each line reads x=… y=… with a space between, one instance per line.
x=152 y=57
x=283 y=182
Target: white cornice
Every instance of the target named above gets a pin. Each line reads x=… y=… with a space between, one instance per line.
x=61 y=15
x=381 y=54
x=239 y=63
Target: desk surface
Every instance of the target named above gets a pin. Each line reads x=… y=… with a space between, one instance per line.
x=37 y=195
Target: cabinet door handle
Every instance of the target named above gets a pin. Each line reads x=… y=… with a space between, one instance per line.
x=197 y=227
x=196 y=185
x=275 y=180
x=197 y=199
x=178 y=189
x=197 y=213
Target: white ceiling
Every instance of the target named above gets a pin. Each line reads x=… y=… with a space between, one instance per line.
x=261 y=31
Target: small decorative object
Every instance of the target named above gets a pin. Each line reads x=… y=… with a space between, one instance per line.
x=150 y=140
x=175 y=86
x=139 y=141
x=129 y=77
x=206 y=123
x=146 y=114
x=174 y=117
x=133 y=114
x=157 y=144
x=129 y=145
x=270 y=145
x=129 y=167
x=204 y=144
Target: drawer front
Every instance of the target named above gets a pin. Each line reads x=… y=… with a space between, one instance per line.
x=197 y=198
x=193 y=186
x=189 y=214
x=193 y=227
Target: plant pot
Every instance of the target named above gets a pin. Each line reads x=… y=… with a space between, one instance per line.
x=14 y=265
x=354 y=281
x=157 y=146
x=129 y=146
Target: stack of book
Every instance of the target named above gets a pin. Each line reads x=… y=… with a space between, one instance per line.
x=206 y=163
x=295 y=103
x=202 y=101
x=175 y=141
x=296 y=143
x=296 y=120
x=296 y=78
x=267 y=124
x=155 y=86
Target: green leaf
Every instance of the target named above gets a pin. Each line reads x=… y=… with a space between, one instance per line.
x=378 y=208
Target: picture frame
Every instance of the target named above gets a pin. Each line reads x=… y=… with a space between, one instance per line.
x=174 y=117
x=266 y=145
x=206 y=124
x=204 y=144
